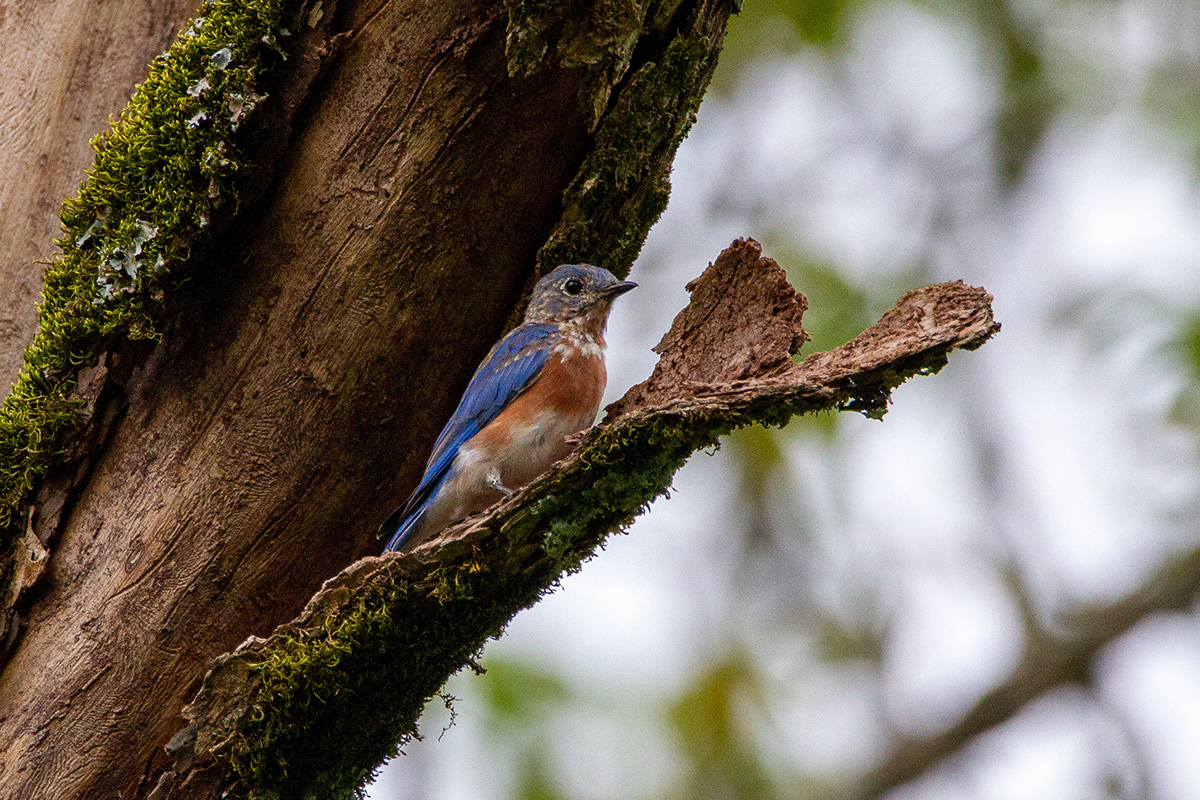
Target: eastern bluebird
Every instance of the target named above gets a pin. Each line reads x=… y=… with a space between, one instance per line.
x=538 y=385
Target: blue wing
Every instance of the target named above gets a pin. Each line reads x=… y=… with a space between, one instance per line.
x=507 y=371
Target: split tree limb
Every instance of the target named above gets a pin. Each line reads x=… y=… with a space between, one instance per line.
x=311 y=710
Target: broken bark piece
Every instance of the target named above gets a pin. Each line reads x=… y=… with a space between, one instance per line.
x=318 y=704
x=743 y=321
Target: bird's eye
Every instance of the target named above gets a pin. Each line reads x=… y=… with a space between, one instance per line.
x=573 y=286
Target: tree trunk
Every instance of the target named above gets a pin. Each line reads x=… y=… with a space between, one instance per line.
x=64 y=68
x=322 y=340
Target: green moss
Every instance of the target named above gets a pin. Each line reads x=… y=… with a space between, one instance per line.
x=599 y=35
x=602 y=33
x=332 y=704
x=162 y=173
x=622 y=187
x=304 y=676
x=331 y=701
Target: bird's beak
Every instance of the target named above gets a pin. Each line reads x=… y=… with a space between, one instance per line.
x=619 y=288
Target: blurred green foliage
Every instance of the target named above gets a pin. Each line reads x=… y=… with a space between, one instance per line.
x=709 y=720
x=1028 y=100
x=516 y=692
x=534 y=781
x=1027 y=105
x=779 y=28
x=521 y=697
x=758 y=459
x=815 y=22
x=837 y=309
x=1185 y=410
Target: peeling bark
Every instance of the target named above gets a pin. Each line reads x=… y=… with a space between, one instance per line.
x=314 y=707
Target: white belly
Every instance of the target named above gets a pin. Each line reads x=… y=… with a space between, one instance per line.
x=536 y=446
x=530 y=450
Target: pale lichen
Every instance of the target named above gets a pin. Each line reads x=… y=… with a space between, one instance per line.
x=162 y=172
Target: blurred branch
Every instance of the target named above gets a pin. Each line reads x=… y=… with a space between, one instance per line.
x=333 y=691
x=1050 y=659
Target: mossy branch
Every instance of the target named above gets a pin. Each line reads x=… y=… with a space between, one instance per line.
x=312 y=710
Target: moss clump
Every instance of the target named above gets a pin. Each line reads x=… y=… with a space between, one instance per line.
x=334 y=703
x=304 y=676
x=622 y=187
x=634 y=467
x=162 y=173
x=602 y=33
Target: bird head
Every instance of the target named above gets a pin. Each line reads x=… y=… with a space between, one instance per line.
x=573 y=291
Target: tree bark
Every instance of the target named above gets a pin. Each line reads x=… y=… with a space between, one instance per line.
x=307 y=366
x=64 y=68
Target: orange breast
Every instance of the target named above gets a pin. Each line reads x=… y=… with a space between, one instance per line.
x=568 y=390
x=570 y=385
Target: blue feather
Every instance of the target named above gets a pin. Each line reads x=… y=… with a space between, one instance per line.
x=509 y=369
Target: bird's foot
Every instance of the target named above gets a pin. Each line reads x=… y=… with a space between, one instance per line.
x=494 y=482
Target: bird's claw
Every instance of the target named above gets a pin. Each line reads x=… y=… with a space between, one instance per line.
x=494 y=482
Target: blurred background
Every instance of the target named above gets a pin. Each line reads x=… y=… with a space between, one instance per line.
x=989 y=594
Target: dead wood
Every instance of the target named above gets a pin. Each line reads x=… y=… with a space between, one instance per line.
x=383 y=636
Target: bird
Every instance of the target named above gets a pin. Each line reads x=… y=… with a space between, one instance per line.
x=537 y=386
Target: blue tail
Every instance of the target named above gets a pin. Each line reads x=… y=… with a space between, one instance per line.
x=401 y=523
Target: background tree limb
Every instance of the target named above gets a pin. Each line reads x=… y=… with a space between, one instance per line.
x=1054 y=657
